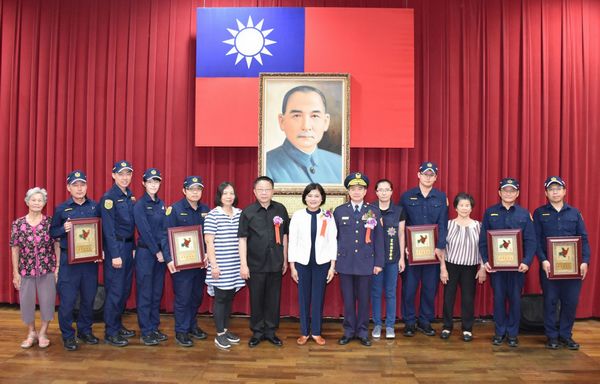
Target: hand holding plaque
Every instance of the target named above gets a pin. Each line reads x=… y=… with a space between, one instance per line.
x=187 y=247
x=84 y=241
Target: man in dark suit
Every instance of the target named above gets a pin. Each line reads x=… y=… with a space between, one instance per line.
x=263 y=259
x=360 y=256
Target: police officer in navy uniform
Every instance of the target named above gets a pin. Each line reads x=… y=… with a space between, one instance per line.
x=149 y=215
x=555 y=219
x=423 y=205
x=75 y=279
x=507 y=285
x=360 y=256
x=116 y=210
x=188 y=285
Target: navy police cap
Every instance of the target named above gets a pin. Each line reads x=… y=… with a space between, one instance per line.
x=192 y=181
x=509 y=182
x=76 y=175
x=152 y=173
x=554 y=180
x=122 y=165
x=428 y=166
x=356 y=178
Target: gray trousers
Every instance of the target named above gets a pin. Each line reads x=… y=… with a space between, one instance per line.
x=45 y=287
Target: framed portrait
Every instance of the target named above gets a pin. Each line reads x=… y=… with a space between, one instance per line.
x=505 y=249
x=187 y=247
x=85 y=241
x=304 y=128
x=564 y=255
x=421 y=241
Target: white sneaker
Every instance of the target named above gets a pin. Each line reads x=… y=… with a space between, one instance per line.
x=389 y=333
x=376 y=332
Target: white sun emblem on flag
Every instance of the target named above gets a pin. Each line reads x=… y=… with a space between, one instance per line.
x=249 y=41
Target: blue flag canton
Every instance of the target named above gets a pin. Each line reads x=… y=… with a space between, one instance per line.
x=243 y=42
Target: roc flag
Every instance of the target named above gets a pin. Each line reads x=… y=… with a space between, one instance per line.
x=374 y=45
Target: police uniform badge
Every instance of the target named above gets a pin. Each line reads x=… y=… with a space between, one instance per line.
x=153 y=172
x=195 y=179
x=108 y=204
x=391 y=231
x=168 y=211
x=123 y=164
x=77 y=174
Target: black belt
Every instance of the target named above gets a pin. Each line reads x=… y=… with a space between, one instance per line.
x=125 y=239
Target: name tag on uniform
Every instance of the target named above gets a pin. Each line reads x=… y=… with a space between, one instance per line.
x=183 y=214
x=120 y=200
x=413 y=198
x=149 y=208
x=545 y=214
x=68 y=209
x=345 y=217
x=493 y=214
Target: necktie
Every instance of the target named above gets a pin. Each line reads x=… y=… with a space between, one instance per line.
x=356 y=211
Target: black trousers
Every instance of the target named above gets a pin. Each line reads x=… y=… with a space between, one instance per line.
x=463 y=275
x=222 y=308
x=265 y=294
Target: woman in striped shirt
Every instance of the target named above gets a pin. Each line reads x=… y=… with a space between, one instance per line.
x=460 y=266
x=223 y=274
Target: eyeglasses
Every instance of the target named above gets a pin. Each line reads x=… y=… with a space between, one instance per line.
x=384 y=190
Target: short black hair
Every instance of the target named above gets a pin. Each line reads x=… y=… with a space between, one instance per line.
x=303 y=89
x=384 y=181
x=263 y=178
x=311 y=187
x=464 y=196
x=219 y=194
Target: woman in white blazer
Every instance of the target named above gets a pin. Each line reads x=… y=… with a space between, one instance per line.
x=312 y=251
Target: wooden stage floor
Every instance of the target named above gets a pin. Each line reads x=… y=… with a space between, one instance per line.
x=420 y=359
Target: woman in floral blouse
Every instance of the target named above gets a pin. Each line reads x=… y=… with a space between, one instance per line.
x=34 y=255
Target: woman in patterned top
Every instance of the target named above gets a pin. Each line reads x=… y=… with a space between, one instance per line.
x=223 y=273
x=34 y=255
x=460 y=265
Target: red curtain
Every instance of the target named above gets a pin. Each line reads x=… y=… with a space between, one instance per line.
x=502 y=88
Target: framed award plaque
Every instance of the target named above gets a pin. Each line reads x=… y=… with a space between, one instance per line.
x=187 y=247
x=85 y=241
x=564 y=255
x=505 y=249
x=421 y=241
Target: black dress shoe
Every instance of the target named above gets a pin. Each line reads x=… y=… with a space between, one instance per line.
x=88 y=338
x=365 y=341
x=116 y=341
x=183 y=339
x=198 y=334
x=552 y=343
x=158 y=335
x=70 y=344
x=276 y=341
x=409 y=330
x=445 y=335
x=344 y=340
x=148 y=340
x=497 y=340
x=467 y=336
x=513 y=341
x=126 y=333
x=253 y=342
x=569 y=343
x=426 y=330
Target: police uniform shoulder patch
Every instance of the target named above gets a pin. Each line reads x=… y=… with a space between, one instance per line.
x=108 y=204
x=168 y=211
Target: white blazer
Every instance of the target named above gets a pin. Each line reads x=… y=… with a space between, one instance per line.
x=299 y=239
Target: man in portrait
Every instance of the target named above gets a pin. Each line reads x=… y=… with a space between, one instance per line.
x=304 y=120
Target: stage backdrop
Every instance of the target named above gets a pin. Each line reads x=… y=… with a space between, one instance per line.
x=501 y=88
